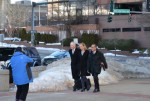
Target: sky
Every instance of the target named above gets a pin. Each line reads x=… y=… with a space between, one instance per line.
x=13 y=1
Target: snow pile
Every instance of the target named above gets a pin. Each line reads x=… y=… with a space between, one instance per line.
x=130 y=67
x=15 y=39
x=117 y=50
x=10 y=45
x=58 y=74
x=47 y=49
x=58 y=77
x=136 y=51
x=146 y=51
x=42 y=42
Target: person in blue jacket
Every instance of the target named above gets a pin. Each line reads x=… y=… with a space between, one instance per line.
x=21 y=73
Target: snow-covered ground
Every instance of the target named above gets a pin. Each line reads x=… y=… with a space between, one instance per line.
x=117 y=50
x=15 y=39
x=148 y=58
x=58 y=74
x=111 y=54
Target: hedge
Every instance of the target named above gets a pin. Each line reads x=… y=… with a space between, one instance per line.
x=47 y=38
x=89 y=39
x=66 y=42
x=121 y=44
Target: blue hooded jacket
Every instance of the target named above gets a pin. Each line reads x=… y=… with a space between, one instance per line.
x=19 y=71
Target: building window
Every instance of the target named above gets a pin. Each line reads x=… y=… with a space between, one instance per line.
x=146 y=28
x=111 y=30
x=131 y=29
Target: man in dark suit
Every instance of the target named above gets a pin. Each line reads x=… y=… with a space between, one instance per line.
x=75 y=60
x=96 y=61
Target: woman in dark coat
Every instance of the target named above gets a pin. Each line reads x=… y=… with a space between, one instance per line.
x=83 y=66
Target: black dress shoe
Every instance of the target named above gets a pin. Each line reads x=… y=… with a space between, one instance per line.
x=88 y=88
x=74 y=89
x=96 y=90
x=82 y=90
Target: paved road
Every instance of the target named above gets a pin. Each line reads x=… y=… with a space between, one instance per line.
x=126 y=90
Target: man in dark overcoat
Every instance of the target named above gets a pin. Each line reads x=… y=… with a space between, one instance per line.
x=75 y=60
x=96 y=61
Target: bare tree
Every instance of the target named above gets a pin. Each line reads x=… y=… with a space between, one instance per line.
x=16 y=16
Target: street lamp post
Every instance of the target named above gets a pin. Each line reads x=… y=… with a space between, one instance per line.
x=32 y=29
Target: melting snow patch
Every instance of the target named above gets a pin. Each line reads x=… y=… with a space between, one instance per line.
x=111 y=54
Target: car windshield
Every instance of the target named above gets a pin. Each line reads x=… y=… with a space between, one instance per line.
x=58 y=53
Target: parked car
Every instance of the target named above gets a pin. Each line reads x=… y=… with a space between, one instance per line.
x=55 y=56
x=15 y=39
x=7 y=52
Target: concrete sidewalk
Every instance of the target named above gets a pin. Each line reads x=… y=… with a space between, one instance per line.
x=126 y=90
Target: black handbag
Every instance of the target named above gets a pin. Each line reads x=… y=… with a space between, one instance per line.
x=29 y=72
x=102 y=66
x=88 y=74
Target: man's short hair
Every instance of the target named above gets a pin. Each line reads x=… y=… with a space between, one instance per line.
x=18 y=49
x=73 y=43
x=94 y=45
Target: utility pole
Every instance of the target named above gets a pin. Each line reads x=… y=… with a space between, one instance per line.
x=32 y=28
x=130 y=18
x=109 y=19
x=39 y=15
x=112 y=5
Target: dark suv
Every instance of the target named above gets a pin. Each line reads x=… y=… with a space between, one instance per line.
x=7 y=52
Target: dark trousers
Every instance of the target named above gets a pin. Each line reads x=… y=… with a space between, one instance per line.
x=75 y=72
x=85 y=82
x=77 y=83
x=96 y=81
x=75 y=75
x=22 y=91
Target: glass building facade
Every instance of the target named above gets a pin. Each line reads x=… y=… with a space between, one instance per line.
x=77 y=11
